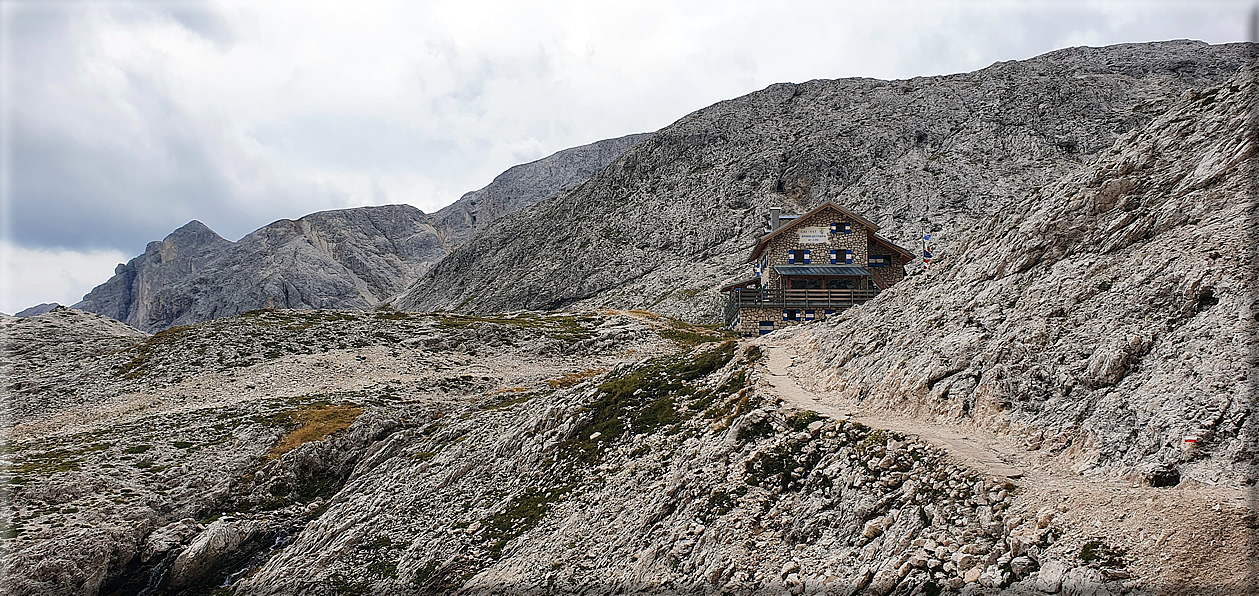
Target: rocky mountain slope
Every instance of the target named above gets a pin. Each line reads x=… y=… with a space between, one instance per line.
x=527 y=184
x=38 y=309
x=342 y=452
x=349 y=258
x=670 y=220
x=1110 y=315
x=1091 y=326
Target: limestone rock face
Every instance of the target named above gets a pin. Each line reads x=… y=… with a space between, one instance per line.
x=672 y=219
x=1112 y=312
x=45 y=353
x=396 y=453
x=210 y=547
x=38 y=309
x=349 y=258
x=524 y=185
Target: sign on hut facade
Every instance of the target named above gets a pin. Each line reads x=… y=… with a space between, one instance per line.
x=812 y=266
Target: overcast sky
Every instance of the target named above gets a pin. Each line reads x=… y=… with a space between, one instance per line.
x=123 y=121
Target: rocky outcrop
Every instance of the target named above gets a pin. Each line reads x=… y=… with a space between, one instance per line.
x=525 y=185
x=1111 y=314
x=350 y=258
x=296 y=452
x=671 y=220
x=45 y=355
x=38 y=309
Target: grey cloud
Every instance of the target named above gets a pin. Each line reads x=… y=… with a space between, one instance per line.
x=203 y=20
x=360 y=142
x=132 y=166
x=117 y=160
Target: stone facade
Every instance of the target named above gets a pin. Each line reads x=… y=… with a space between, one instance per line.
x=894 y=271
x=750 y=319
x=825 y=229
x=776 y=251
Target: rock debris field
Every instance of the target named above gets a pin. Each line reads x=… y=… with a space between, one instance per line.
x=334 y=452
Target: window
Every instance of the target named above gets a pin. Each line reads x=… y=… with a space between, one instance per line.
x=808 y=315
x=841 y=227
x=840 y=284
x=790 y=315
x=845 y=254
x=880 y=260
x=798 y=256
x=766 y=327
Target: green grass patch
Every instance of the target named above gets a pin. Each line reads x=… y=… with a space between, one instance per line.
x=784 y=467
x=802 y=420
x=875 y=439
x=641 y=401
x=521 y=515
x=569 y=328
x=574 y=378
x=753 y=354
x=1102 y=554
x=142 y=355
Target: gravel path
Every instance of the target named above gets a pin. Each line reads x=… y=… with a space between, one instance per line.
x=972 y=447
x=1192 y=530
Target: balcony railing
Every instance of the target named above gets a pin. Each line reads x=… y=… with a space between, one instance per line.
x=792 y=298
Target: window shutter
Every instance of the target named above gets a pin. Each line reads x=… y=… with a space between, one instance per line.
x=806 y=256
x=847 y=255
x=834 y=257
x=808 y=315
x=791 y=257
x=834 y=228
x=847 y=228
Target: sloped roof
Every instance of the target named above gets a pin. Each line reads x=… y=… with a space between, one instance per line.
x=888 y=243
x=838 y=270
x=738 y=284
x=764 y=241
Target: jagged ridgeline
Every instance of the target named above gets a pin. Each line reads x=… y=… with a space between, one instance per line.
x=349 y=258
x=670 y=221
x=335 y=452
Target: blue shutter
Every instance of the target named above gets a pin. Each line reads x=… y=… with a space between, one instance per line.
x=847 y=228
x=829 y=312
x=766 y=327
x=808 y=315
x=785 y=318
x=847 y=255
x=834 y=228
x=791 y=257
x=806 y=256
x=834 y=257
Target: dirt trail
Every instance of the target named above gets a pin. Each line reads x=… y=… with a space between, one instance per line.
x=974 y=448
x=1176 y=538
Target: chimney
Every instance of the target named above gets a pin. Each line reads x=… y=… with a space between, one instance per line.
x=774 y=221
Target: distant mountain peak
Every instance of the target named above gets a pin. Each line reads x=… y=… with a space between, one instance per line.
x=340 y=258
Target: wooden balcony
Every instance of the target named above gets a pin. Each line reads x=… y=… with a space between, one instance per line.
x=795 y=299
